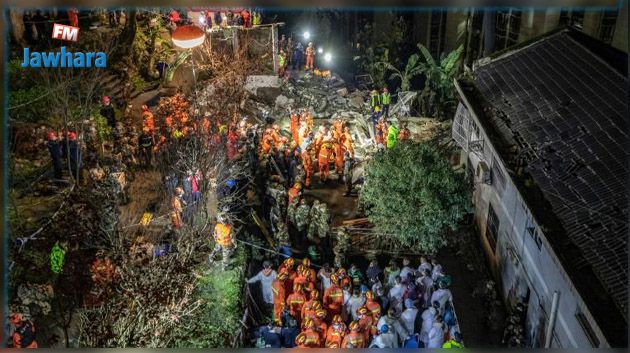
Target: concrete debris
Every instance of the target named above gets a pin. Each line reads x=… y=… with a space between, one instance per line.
x=252 y=83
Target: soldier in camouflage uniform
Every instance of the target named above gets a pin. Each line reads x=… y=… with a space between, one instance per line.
x=314 y=217
x=302 y=216
x=282 y=234
x=323 y=221
x=342 y=244
x=292 y=210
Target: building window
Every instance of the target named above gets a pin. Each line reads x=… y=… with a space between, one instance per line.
x=571 y=18
x=588 y=329
x=437 y=33
x=508 y=27
x=607 y=27
x=492 y=228
x=498 y=175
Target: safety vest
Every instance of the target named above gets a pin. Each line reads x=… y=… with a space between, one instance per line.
x=385 y=98
x=57 y=257
x=281 y=60
x=452 y=344
x=376 y=100
x=312 y=339
x=223 y=234
x=374 y=308
x=256 y=20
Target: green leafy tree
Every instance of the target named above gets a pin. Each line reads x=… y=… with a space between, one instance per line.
x=371 y=62
x=413 y=68
x=413 y=196
x=438 y=97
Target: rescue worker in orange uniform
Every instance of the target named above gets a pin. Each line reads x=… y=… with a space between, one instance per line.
x=355 y=337
x=267 y=143
x=294 y=192
x=333 y=296
x=336 y=332
x=302 y=278
x=340 y=151
x=311 y=337
x=307 y=164
x=224 y=241
x=344 y=279
x=311 y=304
x=275 y=135
x=295 y=127
x=319 y=139
x=24 y=334
x=308 y=119
x=287 y=265
x=381 y=131
x=279 y=295
x=295 y=301
x=312 y=274
x=367 y=323
x=372 y=305
x=323 y=161
x=347 y=141
x=320 y=323
x=310 y=56
x=177 y=208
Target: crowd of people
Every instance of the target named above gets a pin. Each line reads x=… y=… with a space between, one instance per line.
x=392 y=307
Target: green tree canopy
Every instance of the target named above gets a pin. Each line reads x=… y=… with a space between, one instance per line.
x=413 y=195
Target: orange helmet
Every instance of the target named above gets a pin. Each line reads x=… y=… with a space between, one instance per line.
x=300 y=268
x=314 y=294
x=320 y=313
x=297 y=287
x=362 y=310
x=305 y=261
x=300 y=339
x=341 y=271
x=334 y=278
x=369 y=295
x=337 y=319
x=289 y=262
x=317 y=305
x=354 y=326
x=308 y=323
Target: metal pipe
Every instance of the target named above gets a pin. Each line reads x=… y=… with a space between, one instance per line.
x=552 y=318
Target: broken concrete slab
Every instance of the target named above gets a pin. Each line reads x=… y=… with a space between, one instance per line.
x=253 y=82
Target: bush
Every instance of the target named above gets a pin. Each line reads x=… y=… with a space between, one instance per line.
x=413 y=196
x=218 y=320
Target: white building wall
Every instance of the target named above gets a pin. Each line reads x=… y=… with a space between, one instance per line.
x=520 y=262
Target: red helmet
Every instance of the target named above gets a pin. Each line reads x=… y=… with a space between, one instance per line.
x=289 y=262
x=337 y=319
x=105 y=99
x=72 y=136
x=51 y=135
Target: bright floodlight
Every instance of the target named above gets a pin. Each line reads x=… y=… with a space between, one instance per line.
x=202 y=20
x=327 y=57
x=307 y=34
x=320 y=50
x=188 y=36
